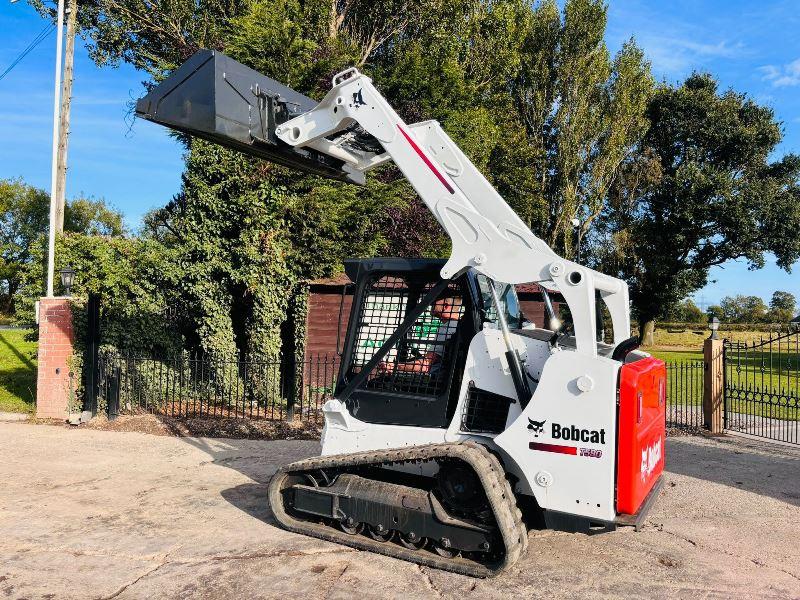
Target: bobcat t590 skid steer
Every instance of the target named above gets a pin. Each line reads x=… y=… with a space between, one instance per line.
x=450 y=414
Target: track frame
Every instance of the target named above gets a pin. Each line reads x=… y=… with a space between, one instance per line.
x=488 y=469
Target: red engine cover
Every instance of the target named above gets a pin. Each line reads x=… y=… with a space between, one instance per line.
x=641 y=431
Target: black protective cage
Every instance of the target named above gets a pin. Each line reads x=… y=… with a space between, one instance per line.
x=415 y=399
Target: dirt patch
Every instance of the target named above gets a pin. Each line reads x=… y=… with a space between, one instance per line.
x=683 y=431
x=218 y=427
x=86 y=514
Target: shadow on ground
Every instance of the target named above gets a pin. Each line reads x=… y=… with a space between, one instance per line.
x=26 y=360
x=251 y=498
x=258 y=460
x=757 y=467
x=762 y=468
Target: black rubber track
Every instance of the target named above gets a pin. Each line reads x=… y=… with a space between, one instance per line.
x=486 y=466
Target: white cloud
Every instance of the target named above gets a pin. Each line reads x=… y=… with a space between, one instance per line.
x=782 y=76
x=721 y=49
x=677 y=55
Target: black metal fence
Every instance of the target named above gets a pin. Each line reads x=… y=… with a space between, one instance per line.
x=762 y=386
x=204 y=386
x=685 y=394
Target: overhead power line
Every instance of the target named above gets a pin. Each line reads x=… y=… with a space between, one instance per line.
x=42 y=35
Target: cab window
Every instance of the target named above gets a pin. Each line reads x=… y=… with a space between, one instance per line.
x=509 y=303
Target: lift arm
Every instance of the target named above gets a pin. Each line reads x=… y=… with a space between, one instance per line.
x=353 y=130
x=486 y=233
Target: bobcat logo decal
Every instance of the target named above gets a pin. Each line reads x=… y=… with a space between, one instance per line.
x=358 y=99
x=536 y=427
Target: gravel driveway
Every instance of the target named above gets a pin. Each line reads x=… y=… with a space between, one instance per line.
x=97 y=514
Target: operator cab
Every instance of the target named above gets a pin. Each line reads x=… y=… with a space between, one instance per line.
x=417 y=380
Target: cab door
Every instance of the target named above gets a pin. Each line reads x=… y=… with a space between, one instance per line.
x=383 y=299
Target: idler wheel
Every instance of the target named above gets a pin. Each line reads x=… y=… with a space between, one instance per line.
x=379 y=533
x=460 y=487
x=411 y=541
x=351 y=527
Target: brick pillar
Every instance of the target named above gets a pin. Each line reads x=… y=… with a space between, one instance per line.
x=713 y=390
x=56 y=338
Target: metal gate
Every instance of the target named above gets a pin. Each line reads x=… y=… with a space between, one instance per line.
x=685 y=394
x=762 y=386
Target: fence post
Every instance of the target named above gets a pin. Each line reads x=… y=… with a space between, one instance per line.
x=291 y=385
x=91 y=382
x=112 y=401
x=713 y=389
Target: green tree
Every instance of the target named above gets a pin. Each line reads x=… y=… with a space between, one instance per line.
x=135 y=277
x=153 y=37
x=743 y=309
x=92 y=217
x=782 y=307
x=685 y=311
x=715 y=310
x=579 y=114
x=24 y=218
x=701 y=191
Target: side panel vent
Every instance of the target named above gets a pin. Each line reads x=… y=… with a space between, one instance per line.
x=485 y=412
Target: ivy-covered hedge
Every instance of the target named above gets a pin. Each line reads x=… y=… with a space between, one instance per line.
x=134 y=277
x=136 y=281
x=155 y=303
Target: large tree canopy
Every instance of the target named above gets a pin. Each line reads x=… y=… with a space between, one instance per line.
x=579 y=114
x=529 y=92
x=701 y=191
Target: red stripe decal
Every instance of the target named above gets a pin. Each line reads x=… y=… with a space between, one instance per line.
x=553 y=448
x=427 y=161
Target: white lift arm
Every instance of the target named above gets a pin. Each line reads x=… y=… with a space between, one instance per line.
x=486 y=233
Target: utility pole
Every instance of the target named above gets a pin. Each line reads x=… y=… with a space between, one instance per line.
x=51 y=242
x=66 y=100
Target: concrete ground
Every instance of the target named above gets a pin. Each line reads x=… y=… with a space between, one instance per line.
x=97 y=514
x=13 y=416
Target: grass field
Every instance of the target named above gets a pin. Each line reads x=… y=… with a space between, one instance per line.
x=17 y=371
x=762 y=383
x=676 y=355
x=765 y=380
x=693 y=338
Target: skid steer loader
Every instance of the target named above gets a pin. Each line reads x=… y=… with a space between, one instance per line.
x=451 y=415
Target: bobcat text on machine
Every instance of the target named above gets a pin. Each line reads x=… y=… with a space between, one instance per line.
x=450 y=414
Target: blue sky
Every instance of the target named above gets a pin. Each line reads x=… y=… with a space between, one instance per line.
x=136 y=166
x=753 y=47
